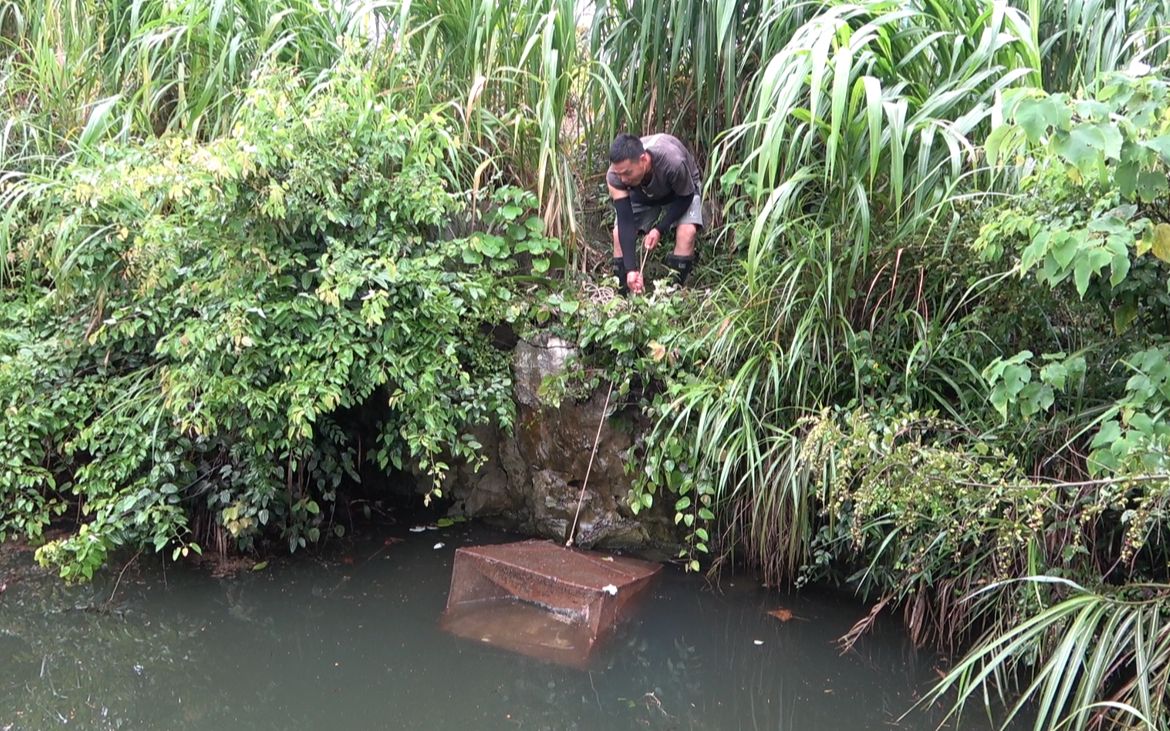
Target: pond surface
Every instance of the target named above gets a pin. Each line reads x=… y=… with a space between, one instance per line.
x=350 y=640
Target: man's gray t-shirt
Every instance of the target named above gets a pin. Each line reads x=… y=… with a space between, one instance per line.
x=674 y=172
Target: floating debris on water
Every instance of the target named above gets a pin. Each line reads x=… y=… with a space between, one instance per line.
x=785 y=615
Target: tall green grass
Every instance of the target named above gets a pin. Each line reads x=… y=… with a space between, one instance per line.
x=88 y=70
x=857 y=135
x=515 y=73
x=76 y=72
x=845 y=142
x=868 y=111
x=1092 y=660
x=864 y=112
x=841 y=140
x=871 y=113
x=686 y=67
x=1081 y=40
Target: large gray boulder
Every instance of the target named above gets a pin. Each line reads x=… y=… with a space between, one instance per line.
x=532 y=480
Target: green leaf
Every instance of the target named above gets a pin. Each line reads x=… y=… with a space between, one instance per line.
x=1124 y=316
x=1161 y=242
x=1142 y=423
x=1035 y=250
x=1161 y=145
x=1088 y=265
x=1065 y=247
x=1010 y=377
x=1082 y=147
x=1035 y=397
x=1035 y=116
x=1151 y=184
x=1091 y=109
x=1118 y=269
x=492 y=246
x=1055 y=374
x=1111 y=140
x=995 y=142
x=516 y=232
x=1109 y=433
x=1126 y=178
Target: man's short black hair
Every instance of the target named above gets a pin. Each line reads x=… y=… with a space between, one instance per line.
x=625 y=147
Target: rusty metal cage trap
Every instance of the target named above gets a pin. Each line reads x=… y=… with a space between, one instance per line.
x=541 y=599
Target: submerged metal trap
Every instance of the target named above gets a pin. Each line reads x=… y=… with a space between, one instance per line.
x=541 y=599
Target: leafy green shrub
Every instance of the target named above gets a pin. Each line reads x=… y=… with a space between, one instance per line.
x=918 y=513
x=1093 y=221
x=639 y=346
x=34 y=429
x=216 y=306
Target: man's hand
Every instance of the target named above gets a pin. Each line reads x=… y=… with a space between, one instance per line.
x=634 y=282
x=651 y=239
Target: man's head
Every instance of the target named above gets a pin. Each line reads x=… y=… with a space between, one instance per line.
x=630 y=160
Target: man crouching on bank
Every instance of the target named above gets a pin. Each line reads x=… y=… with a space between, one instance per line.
x=654 y=184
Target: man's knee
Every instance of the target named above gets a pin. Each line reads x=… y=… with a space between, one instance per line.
x=684 y=238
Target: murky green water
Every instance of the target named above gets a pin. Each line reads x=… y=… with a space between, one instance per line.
x=352 y=643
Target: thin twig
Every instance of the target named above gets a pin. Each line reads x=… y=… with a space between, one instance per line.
x=1085 y=483
x=120 y=573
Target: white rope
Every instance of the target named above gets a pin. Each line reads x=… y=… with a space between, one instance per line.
x=589 y=469
x=597 y=437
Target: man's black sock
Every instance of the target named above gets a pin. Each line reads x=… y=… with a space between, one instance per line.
x=619 y=271
x=681 y=266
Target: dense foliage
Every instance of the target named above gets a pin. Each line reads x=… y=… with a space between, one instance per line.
x=189 y=336
x=248 y=247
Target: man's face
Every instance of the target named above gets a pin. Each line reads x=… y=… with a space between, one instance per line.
x=632 y=172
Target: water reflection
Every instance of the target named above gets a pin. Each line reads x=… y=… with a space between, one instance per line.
x=353 y=643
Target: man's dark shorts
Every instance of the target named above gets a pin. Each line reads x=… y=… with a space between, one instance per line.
x=646 y=216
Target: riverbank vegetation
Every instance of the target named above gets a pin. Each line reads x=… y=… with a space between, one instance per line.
x=925 y=358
